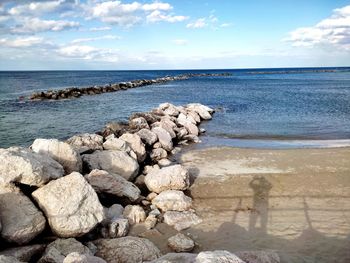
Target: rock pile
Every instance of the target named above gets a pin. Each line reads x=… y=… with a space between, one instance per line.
x=78 y=92
x=94 y=187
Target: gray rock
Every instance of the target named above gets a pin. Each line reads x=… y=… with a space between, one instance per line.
x=81 y=258
x=203 y=111
x=9 y=259
x=147 y=136
x=172 y=200
x=126 y=250
x=176 y=258
x=24 y=166
x=62 y=152
x=118 y=228
x=158 y=154
x=104 y=182
x=117 y=145
x=70 y=204
x=182 y=132
x=151 y=221
x=134 y=213
x=136 y=145
x=263 y=256
x=21 y=220
x=138 y=123
x=24 y=253
x=217 y=256
x=181 y=243
x=169 y=109
x=114 y=212
x=174 y=177
x=86 y=142
x=184 y=121
x=181 y=220
x=166 y=127
x=164 y=138
x=115 y=162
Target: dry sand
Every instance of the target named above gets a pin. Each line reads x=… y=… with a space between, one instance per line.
x=296 y=202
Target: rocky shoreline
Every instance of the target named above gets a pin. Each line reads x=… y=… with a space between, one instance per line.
x=73 y=92
x=75 y=200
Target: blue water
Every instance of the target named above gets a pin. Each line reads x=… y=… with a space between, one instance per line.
x=262 y=106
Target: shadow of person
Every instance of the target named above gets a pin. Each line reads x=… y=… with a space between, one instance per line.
x=261 y=188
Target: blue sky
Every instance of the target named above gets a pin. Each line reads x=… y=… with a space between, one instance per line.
x=96 y=34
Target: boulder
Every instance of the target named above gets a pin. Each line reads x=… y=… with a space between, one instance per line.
x=166 y=127
x=188 y=124
x=126 y=250
x=262 y=256
x=21 y=220
x=181 y=220
x=147 y=136
x=217 y=256
x=62 y=152
x=149 y=117
x=194 y=116
x=136 y=145
x=24 y=253
x=169 y=109
x=104 y=182
x=114 y=212
x=70 y=204
x=158 y=154
x=115 y=162
x=116 y=144
x=182 y=132
x=164 y=138
x=151 y=221
x=176 y=258
x=164 y=162
x=181 y=243
x=172 y=200
x=174 y=177
x=118 y=228
x=9 y=259
x=86 y=142
x=138 y=123
x=134 y=213
x=203 y=111
x=24 y=166
x=81 y=258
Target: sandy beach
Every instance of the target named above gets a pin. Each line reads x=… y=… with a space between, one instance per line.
x=296 y=202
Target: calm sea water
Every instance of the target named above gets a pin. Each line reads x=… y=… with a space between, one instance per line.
x=268 y=108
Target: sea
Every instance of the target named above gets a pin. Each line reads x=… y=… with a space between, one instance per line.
x=258 y=108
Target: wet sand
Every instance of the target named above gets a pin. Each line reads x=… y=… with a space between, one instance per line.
x=296 y=202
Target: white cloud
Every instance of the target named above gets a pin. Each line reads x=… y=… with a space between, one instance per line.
x=35 y=25
x=199 y=23
x=43 y=7
x=157 y=16
x=85 y=52
x=180 y=42
x=333 y=31
x=103 y=28
x=157 y=6
x=225 y=25
x=91 y=39
x=22 y=42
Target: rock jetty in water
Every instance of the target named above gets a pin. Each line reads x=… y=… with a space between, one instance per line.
x=75 y=92
x=98 y=187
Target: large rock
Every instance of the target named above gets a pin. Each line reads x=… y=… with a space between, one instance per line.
x=134 y=213
x=136 y=145
x=70 y=204
x=176 y=258
x=86 y=142
x=164 y=138
x=126 y=250
x=24 y=253
x=166 y=126
x=181 y=243
x=172 y=200
x=147 y=136
x=9 y=259
x=21 y=220
x=158 y=154
x=104 y=182
x=188 y=124
x=169 y=109
x=116 y=144
x=81 y=258
x=22 y=165
x=138 y=123
x=174 y=177
x=62 y=152
x=259 y=256
x=115 y=162
x=203 y=111
x=181 y=220
x=217 y=256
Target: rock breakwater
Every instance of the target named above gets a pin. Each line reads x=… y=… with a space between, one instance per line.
x=74 y=92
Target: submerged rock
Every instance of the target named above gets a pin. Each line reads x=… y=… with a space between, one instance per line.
x=115 y=162
x=104 y=182
x=21 y=220
x=174 y=177
x=70 y=205
x=126 y=250
x=24 y=166
x=181 y=243
x=172 y=200
x=62 y=152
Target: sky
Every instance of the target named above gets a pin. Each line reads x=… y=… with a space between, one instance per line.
x=147 y=34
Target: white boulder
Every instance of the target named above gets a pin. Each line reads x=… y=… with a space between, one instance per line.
x=134 y=213
x=172 y=200
x=147 y=136
x=164 y=138
x=181 y=220
x=86 y=142
x=136 y=145
x=181 y=243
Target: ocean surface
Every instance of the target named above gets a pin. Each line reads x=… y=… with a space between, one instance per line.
x=277 y=108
